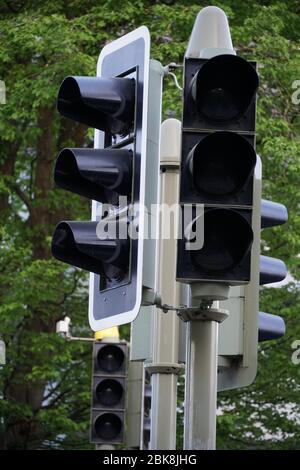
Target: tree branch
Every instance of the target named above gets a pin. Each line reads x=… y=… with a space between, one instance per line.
x=23 y=196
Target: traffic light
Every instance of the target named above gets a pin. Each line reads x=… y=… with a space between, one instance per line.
x=98 y=174
x=271 y=270
x=245 y=326
x=217 y=169
x=119 y=175
x=108 y=393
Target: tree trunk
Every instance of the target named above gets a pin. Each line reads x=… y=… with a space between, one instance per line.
x=25 y=434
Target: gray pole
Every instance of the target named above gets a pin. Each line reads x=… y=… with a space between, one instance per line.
x=203 y=319
x=201 y=385
x=134 y=404
x=164 y=367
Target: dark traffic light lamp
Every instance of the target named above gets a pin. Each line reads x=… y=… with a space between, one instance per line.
x=218 y=168
x=219 y=93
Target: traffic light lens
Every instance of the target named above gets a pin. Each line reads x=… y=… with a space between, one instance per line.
x=224 y=87
x=221 y=164
x=108 y=426
x=227 y=240
x=110 y=358
x=109 y=392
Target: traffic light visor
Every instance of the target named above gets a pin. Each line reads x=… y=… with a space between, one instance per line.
x=77 y=244
x=91 y=172
x=103 y=103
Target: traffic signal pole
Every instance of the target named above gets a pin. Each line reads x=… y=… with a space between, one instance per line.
x=201 y=385
x=164 y=368
x=210 y=37
x=201 y=371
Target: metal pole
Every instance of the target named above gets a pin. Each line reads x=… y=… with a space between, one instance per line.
x=164 y=367
x=134 y=404
x=201 y=385
x=202 y=365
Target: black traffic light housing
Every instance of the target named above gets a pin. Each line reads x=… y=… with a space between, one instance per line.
x=217 y=168
x=108 y=393
x=113 y=175
x=99 y=174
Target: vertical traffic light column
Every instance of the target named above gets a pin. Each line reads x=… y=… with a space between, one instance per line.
x=216 y=196
x=120 y=176
x=218 y=162
x=108 y=393
x=104 y=175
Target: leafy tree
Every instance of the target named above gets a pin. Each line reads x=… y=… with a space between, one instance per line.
x=45 y=386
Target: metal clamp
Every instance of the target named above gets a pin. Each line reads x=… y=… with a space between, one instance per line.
x=203 y=312
x=164 y=368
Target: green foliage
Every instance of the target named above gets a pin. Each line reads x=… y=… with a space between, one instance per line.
x=45 y=387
